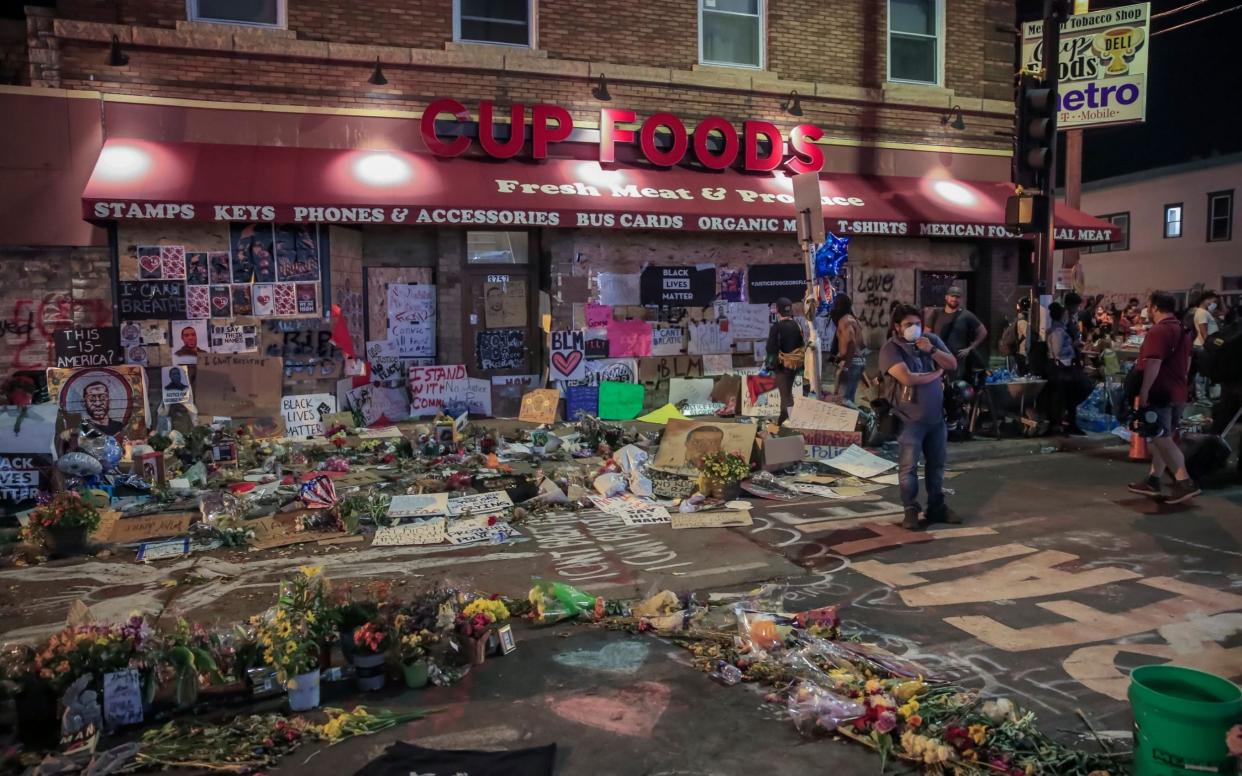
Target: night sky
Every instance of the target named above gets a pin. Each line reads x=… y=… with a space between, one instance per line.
x=1194 y=85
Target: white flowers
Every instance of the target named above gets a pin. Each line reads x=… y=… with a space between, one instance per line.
x=1000 y=710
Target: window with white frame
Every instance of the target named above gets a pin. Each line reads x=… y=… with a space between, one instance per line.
x=500 y=22
x=253 y=13
x=731 y=32
x=1220 y=216
x=914 y=41
x=1173 y=220
x=1122 y=222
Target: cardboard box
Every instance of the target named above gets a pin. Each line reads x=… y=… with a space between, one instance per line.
x=779 y=452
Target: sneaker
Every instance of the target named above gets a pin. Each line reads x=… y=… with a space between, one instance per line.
x=1182 y=490
x=1148 y=486
x=943 y=515
x=911 y=521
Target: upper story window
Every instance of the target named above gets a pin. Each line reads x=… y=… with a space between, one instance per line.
x=255 y=13
x=914 y=41
x=1220 y=216
x=502 y=22
x=731 y=33
x=1173 y=220
x=1122 y=222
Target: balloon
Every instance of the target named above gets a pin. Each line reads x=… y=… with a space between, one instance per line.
x=79 y=464
x=830 y=256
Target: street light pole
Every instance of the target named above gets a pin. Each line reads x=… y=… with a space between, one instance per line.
x=1054 y=12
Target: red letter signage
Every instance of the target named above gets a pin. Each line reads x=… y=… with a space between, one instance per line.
x=609 y=133
x=487 y=131
x=542 y=134
x=646 y=139
x=455 y=147
x=701 y=134
x=753 y=161
x=807 y=155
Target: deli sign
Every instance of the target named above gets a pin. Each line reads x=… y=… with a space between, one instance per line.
x=553 y=124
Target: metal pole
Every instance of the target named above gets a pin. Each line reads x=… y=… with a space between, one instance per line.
x=1047 y=238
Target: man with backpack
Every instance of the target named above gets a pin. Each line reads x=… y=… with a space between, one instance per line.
x=1164 y=359
x=1013 y=338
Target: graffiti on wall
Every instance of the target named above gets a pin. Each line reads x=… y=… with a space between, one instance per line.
x=28 y=328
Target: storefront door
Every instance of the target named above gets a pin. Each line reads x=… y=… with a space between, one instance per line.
x=500 y=304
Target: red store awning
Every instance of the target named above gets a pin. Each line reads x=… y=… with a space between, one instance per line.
x=135 y=179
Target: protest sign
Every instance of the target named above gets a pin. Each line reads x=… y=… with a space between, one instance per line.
x=474 y=533
x=668 y=340
x=581 y=400
x=812 y=414
x=719 y=519
x=238 y=386
x=429 y=387
x=380 y=404
x=303 y=414
x=140 y=300
x=748 y=321
x=720 y=364
x=22 y=477
x=430 y=531
x=858 y=462
x=678 y=286
x=631 y=509
x=175 y=386
x=768 y=282
x=418 y=505
x=505 y=302
x=232 y=337
x=412 y=319
x=122 y=698
x=824 y=445
x=689 y=391
x=629 y=338
x=473 y=393
x=568 y=355
x=709 y=337
x=597 y=314
x=620 y=401
x=94 y=346
x=686 y=442
x=539 y=406
x=136 y=529
x=500 y=349
x=477 y=504
x=28 y=429
x=618 y=290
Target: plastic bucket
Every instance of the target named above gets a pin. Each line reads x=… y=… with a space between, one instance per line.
x=369 y=671
x=1181 y=717
x=303 y=691
x=415 y=674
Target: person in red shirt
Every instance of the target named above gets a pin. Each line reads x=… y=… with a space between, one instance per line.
x=1165 y=361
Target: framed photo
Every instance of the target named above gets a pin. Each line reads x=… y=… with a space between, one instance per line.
x=507 y=644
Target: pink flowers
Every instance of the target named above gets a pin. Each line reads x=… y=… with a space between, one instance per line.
x=371 y=638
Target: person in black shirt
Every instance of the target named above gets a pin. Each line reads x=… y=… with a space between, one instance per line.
x=962 y=332
x=785 y=353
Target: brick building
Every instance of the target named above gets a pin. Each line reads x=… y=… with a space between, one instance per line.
x=303 y=129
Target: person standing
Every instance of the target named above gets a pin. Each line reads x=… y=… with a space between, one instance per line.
x=785 y=353
x=850 y=353
x=916 y=362
x=1203 y=324
x=1067 y=380
x=961 y=330
x=1164 y=359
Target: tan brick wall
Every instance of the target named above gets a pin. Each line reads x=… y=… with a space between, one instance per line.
x=46 y=290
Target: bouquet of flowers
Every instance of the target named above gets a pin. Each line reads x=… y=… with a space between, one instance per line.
x=372 y=638
x=290 y=643
x=725 y=468
x=92 y=649
x=67 y=509
x=187 y=657
x=479 y=615
x=305 y=596
x=414 y=646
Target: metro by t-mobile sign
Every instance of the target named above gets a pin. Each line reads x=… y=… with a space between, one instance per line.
x=553 y=124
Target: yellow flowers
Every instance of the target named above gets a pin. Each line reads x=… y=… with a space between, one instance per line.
x=978 y=733
x=908 y=709
x=494 y=610
x=872 y=686
x=907 y=690
x=310 y=572
x=926 y=749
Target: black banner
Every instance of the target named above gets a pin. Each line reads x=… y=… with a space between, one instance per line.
x=149 y=300
x=500 y=349
x=96 y=346
x=677 y=286
x=22 y=476
x=768 y=282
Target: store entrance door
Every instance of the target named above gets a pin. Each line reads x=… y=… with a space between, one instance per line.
x=500 y=305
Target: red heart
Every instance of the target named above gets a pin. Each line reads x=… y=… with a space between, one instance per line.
x=566 y=364
x=150 y=263
x=264 y=300
x=220 y=302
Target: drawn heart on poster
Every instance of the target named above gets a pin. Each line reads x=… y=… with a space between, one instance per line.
x=220 y=303
x=150 y=265
x=566 y=364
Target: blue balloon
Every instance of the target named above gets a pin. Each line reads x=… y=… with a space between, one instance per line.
x=830 y=256
x=111 y=454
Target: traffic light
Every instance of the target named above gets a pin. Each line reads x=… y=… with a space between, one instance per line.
x=1036 y=132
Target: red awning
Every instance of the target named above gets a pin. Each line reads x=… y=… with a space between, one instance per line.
x=135 y=179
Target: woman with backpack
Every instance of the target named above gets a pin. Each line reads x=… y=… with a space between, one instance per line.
x=850 y=353
x=1013 y=338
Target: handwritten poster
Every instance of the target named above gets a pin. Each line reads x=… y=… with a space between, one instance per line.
x=490 y=503
x=429 y=387
x=539 y=406
x=504 y=303
x=412 y=319
x=426 y=532
x=581 y=400
x=748 y=321
x=709 y=337
x=598 y=314
x=418 y=505
x=629 y=338
x=94 y=346
x=472 y=393
x=858 y=462
x=380 y=404
x=812 y=414
x=304 y=413
x=568 y=355
x=500 y=349
x=668 y=340
x=682 y=390
x=122 y=698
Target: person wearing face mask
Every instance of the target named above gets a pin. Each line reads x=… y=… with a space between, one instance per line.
x=914 y=363
x=961 y=330
x=1202 y=321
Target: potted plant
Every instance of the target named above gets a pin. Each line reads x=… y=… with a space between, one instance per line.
x=305 y=596
x=292 y=648
x=475 y=626
x=63 y=524
x=350 y=613
x=371 y=641
x=412 y=649
x=722 y=473
x=185 y=657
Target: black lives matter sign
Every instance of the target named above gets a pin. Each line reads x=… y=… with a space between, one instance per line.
x=22 y=476
x=96 y=346
x=147 y=300
x=677 y=286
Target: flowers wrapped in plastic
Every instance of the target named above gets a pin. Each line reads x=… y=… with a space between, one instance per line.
x=811 y=706
x=553 y=602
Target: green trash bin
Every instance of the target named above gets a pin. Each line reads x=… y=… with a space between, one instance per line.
x=1181 y=717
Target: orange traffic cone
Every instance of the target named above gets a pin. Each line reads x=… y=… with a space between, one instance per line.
x=1138 y=448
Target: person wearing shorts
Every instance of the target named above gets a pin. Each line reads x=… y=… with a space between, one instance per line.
x=1165 y=361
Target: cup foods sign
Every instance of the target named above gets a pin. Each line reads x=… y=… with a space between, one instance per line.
x=1103 y=65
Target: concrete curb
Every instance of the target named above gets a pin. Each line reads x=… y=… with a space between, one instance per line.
x=986 y=448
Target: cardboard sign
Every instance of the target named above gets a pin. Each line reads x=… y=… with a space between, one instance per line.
x=233 y=337
x=668 y=341
x=812 y=414
x=568 y=355
x=380 y=404
x=678 y=286
x=303 y=414
x=597 y=315
x=96 y=346
x=748 y=321
x=419 y=505
x=481 y=504
x=720 y=519
x=581 y=400
x=780 y=452
x=473 y=393
x=500 y=349
x=426 y=532
x=504 y=303
x=238 y=386
x=620 y=401
x=709 y=337
x=141 y=300
x=629 y=338
x=412 y=319
x=768 y=282
x=122 y=698
x=858 y=462
x=539 y=406
x=271 y=532
x=135 y=529
x=429 y=387
x=686 y=442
